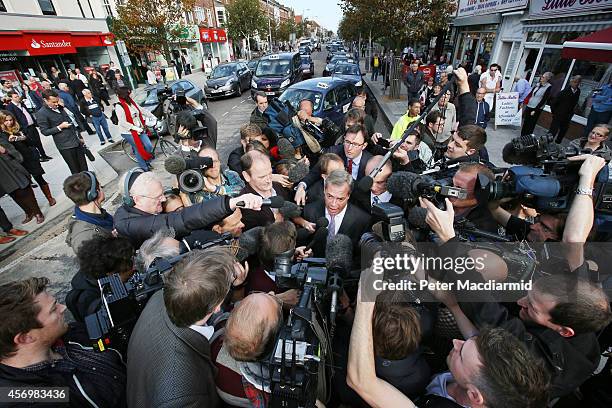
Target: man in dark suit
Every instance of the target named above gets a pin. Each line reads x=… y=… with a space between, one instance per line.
x=344 y=217
x=257 y=172
x=27 y=123
x=378 y=192
x=563 y=108
x=352 y=152
x=54 y=121
x=180 y=373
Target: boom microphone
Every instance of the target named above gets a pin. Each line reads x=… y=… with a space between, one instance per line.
x=298 y=172
x=320 y=233
x=178 y=164
x=272 y=202
x=339 y=259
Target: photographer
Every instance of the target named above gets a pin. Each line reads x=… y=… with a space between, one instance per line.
x=596 y=140
x=203 y=120
x=326 y=133
x=378 y=192
x=487 y=370
x=169 y=358
x=161 y=245
x=89 y=219
x=217 y=183
x=417 y=162
x=140 y=215
x=247 y=132
x=39 y=349
x=98 y=257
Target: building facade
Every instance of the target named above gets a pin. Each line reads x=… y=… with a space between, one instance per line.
x=39 y=34
x=527 y=39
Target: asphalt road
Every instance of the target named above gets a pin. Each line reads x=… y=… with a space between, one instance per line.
x=44 y=252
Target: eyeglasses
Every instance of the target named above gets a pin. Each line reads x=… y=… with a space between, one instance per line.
x=161 y=197
x=597 y=134
x=348 y=143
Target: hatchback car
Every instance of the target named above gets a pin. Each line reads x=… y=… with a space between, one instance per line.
x=331 y=97
x=307 y=66
x=228 y=79
x=276 y=72
x=348 y=72
x=343 y=57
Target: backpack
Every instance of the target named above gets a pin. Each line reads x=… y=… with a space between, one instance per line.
x=114 y=118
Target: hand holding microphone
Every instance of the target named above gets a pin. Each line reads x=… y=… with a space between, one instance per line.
x=248 y=201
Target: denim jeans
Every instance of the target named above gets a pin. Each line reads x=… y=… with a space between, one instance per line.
x=100 y=124
x=374 y=76
x=146 y=142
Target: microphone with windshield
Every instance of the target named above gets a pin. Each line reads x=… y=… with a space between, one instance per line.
x=320 y=233
x=339 y=259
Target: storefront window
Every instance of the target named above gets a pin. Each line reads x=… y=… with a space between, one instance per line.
x=558 y=38
x=535 y=36
x=551 y=61
x=528 y=60
x=594 y=76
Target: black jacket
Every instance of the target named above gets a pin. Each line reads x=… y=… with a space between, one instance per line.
x=168 y=366
x=233 y=161
x=84 y=297
x=474 y=82
x=19 y=115
x=571 y=361
x=355 y=223
x=99 y=377
x=315 y=173
x=563 y=105
x=138 y=226
x=48 y=120
x=265 y=216
x=363 y=200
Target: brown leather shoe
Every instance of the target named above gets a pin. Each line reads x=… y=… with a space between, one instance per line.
x=40 y=218
x=17 y=232
x=27 y=219
x=6 y=240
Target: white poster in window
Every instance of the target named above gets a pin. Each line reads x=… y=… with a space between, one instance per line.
x=506 y=109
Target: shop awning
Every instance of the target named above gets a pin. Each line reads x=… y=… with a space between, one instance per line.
x=52 y=42
x=595 y=47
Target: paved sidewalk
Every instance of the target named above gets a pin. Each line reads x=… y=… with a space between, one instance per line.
x=56 y=171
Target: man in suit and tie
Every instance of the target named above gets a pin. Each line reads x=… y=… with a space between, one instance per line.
x=344 y=217
x=351 y=151
x=27 y=123
x=563 y=108
x=378 y=192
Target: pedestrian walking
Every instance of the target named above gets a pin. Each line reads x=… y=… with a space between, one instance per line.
x=27 y=122
x=10 y=132
x=15 y=181
x=483 y=110
x=92 y=108
x=537 y=100
x=186 y=63
x=54 y=121
x=118 y=81
x=151 y=79
x=76 y=86
x=375 y=64
x=415 y=80
x=8 y=232
x=133 y=127
x=563 y=109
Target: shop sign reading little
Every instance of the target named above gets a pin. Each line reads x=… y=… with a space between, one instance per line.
x=556 y=8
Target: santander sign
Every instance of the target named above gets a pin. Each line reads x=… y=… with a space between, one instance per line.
x=50 y=44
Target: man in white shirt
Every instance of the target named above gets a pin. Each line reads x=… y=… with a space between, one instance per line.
x=81 y=76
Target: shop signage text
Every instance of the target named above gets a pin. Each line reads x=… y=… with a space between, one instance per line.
x=48 y=43
x=507 y=112
x=554 y=8
x=480 y=7
x=212 y=35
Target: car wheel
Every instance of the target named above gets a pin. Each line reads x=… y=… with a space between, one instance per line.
x=239 y=90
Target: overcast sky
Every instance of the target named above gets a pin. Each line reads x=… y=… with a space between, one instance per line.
x=326 y=12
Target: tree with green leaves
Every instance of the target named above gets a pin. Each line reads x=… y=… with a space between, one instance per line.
x=245 y=19
x=151 y=25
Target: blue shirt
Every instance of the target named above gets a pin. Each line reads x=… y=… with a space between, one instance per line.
x=68 y=100
x=602 y=102
x=523 y=88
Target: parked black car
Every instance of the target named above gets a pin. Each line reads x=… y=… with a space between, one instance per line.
x=230 y=78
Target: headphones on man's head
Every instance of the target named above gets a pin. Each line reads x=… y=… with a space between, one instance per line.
x=131 y=176
x=92 y=194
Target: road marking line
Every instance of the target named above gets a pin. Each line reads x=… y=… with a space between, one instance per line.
x=225 y=113
x=243 y=101
x=234 y=107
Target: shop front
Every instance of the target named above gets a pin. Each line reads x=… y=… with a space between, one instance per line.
x=189 y=45
x=30 y=52
x=477 y=28
x=215 y=47
x=547 y=30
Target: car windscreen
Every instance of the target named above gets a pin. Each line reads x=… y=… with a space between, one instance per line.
x=344 y=69
x=151 y=98
x=252 y=64
x=221 y=71
x=306 y=59
x=273 y=68
x=294 y=96
x=337 y=59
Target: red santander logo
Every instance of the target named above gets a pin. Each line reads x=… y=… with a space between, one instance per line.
x=50 y=44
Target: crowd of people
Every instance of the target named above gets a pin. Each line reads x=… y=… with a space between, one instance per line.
x=53 y=104
x=205 y=337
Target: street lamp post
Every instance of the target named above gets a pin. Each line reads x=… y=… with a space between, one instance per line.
x=269 y=25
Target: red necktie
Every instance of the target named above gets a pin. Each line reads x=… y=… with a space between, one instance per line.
x=349 y=167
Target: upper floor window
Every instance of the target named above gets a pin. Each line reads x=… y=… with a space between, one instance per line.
x=107 y=8
x=47 y=7
x=220 y=17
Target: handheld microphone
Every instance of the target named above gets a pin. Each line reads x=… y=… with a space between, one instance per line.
x=339 y=259
x=320 y=233
x=272 y=202
x=248 y=243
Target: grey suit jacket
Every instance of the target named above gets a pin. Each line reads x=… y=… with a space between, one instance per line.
x=48 y=120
